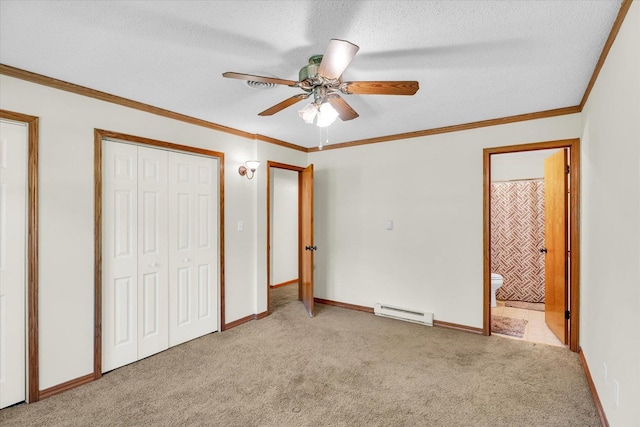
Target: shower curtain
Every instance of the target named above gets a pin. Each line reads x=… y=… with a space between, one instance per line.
x=517 y=235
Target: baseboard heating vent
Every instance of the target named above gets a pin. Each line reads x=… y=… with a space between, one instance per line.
x=403 y=314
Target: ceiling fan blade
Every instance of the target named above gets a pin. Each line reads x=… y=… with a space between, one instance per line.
x=381 y=88
x=337 y=58
x=284 y=104
x=251 y=77
x=344 y=110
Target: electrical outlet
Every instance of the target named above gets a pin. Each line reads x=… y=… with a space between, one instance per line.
x=604 y=373
x=616 y=392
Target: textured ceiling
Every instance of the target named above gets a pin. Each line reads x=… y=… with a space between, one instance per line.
x=474 y=60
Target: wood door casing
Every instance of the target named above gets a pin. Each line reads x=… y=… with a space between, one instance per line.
x=573 y=147
x=306 y=239
x=556 y=216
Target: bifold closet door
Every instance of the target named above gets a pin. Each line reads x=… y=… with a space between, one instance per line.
x=134 y=256
x=193 y=247
x=13 y=247
x=160 y=250
x=153 y=256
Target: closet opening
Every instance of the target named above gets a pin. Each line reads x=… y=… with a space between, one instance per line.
x=159 y=238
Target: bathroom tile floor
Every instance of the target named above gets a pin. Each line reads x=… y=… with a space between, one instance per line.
x=536 y=329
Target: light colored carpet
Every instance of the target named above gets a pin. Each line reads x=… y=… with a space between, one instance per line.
x=283 y=295
x=508 y=326
x=341 y=368
x=537 y=306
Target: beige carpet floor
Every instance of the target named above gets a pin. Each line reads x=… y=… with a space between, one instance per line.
x=341 y=368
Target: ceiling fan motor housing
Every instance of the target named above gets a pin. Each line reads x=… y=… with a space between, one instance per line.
x=311 y=69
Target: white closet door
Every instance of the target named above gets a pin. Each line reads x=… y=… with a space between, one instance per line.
x=119 y=255
x=153 y=261
x=13 y=237
x=193 y=243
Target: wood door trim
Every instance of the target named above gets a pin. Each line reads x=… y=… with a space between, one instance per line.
x=33 y=366
x=277 y=165
x=99 y=136
x=574 y=229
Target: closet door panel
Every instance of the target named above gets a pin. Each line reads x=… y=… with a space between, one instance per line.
x=153 y=267
x=205 y=253
x=119 y=255
x=181 y=228
x=192 y=256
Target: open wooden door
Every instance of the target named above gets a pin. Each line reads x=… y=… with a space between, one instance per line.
x=556 y=195
x=306 y=239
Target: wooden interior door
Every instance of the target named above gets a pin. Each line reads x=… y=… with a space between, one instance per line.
x=13 y=262
x=556 y=195
x=306 y=239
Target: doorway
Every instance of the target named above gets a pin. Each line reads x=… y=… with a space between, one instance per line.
x=289 y=236
x=283 y=237
x=558 y=252
x=19 y=258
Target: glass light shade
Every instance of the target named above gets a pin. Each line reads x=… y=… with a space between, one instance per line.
x=308 y=113
x=326 y=115
x=252 y=165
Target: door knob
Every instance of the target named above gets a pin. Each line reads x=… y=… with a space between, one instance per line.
x=153 y=264
x=310 y=248
x=543 y=250
x=186 y=260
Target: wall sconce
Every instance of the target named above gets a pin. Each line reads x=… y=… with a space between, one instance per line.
x=249 y=166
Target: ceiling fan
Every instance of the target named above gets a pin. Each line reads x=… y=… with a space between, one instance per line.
x=320 y=78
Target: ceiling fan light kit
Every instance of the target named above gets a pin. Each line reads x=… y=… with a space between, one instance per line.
x=321 y=78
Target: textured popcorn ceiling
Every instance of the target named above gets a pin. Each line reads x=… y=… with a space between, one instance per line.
x=474 y=60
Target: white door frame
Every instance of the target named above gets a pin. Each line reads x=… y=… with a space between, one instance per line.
x=32 y=367
x=99 y=136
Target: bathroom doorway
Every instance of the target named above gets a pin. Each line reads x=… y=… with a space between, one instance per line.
x=529 y=246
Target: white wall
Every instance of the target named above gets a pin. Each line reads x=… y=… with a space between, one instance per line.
x=521 y=165
x=610 y=275
x=284 y=225
x=433 y=258
x=66 y=242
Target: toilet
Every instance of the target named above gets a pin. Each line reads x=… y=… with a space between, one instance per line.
x=496 y=282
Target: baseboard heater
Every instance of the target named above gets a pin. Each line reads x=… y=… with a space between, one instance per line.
x=403 y=314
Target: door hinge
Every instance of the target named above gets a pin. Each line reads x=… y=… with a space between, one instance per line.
x=567 y=315
x=568 y=169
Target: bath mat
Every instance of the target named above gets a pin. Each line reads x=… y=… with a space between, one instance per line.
x=537 y=306
x=508 y=326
